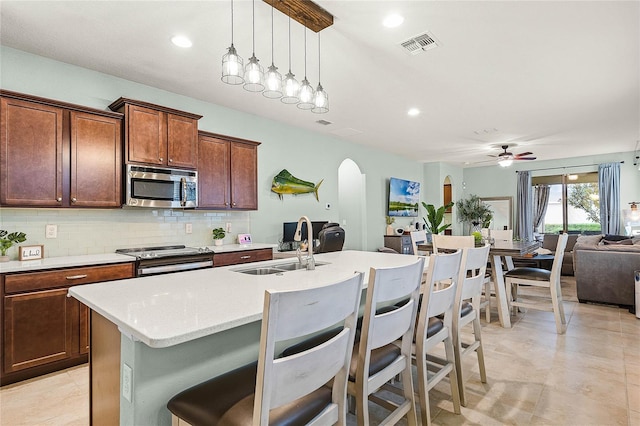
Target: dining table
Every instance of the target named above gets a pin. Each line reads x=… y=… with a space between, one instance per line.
x=501 y=256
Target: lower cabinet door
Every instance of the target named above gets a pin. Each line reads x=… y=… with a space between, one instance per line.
x=85 y=328
x=38 y=328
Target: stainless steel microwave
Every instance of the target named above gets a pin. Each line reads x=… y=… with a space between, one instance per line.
x=161 y=188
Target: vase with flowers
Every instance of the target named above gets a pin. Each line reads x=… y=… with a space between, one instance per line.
x=474 y=212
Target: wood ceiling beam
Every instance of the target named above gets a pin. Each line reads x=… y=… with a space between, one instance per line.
x=306 y=12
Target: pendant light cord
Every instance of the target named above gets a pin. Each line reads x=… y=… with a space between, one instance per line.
x=232 y=22
x=289 y=39
x=319 y=57
x=272 y=33
x=253 y=18
x=305 y=48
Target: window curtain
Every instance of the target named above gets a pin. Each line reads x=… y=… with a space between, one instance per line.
x=525 y=206
x=540 y=203
x=609 y=191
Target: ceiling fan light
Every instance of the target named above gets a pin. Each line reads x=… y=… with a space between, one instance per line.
x=253 y=76
x=320 y=101
x=232 y=66
x=306 y=95
x=506 y=162
x=273 y=83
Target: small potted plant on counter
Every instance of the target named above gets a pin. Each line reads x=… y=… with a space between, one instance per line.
x=218 y=234
x=7 y=240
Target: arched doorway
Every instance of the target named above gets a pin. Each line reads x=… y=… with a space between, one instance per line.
x=352 y=202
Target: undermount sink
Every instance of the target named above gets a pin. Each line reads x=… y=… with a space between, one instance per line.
x=275 y=269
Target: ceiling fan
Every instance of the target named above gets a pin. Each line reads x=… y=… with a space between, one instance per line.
x=506 y=158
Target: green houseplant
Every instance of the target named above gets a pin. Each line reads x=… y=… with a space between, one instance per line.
x=474 y=212
x=435 y=217
x=218 y=234
x=7 y=240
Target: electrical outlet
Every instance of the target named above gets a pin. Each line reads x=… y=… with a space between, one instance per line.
x=51 y=231
x=228 y=227
x=188 y=228
x=127 y=379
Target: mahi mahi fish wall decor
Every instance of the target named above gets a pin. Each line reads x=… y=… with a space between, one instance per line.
x=286 y=183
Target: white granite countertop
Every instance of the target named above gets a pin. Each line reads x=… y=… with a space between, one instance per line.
x=166 y=310
x=103 y=259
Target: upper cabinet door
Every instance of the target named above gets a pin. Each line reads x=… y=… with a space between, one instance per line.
x=244 y=176
x=213 y=173
x=146 y=135
x=30 y=154
x=96 y=161
x=182 y=141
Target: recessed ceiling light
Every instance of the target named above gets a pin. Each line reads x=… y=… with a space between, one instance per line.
x=393 y=20
x=181 y=41
x=413 y=112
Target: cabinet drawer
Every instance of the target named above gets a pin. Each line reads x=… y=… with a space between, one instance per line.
x=31 y=281
x=238 y=257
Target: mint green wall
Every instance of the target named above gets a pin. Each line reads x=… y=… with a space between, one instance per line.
x=496 y=181
x=307 y=155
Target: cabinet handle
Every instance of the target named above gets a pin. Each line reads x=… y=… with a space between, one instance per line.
x=226 y=204
x=245 y=257
x=77 y=277
x=170 y=160
x=59 y=199
x=160 y=159
x=233 y=204
x=74 y=199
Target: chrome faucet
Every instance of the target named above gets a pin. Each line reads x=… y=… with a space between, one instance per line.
x=309 y=261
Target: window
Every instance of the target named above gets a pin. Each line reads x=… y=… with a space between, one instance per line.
x=573 y=205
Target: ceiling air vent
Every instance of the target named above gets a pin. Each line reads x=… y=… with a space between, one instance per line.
x=420 y=43
x=324 y=122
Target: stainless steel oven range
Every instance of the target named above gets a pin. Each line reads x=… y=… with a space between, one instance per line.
x=167 y=259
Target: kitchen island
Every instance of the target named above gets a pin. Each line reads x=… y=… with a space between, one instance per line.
x=155 y=336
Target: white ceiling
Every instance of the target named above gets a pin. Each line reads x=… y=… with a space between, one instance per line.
x=560 y=79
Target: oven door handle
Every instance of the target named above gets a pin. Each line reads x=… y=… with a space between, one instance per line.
x=174 y=268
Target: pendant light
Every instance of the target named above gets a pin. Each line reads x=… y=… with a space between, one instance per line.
x=306 y=91
x=232 y=64
x=291 y=88
x=320 y=99
x=272 y=78
x=253 y=72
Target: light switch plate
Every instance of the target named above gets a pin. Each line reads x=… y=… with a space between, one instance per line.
x=127 y=379
x=51 y=231
x=188 y=228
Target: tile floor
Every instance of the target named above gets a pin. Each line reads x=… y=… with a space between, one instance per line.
x=589 y=376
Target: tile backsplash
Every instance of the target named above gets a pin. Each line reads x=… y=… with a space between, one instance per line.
x=84 y=231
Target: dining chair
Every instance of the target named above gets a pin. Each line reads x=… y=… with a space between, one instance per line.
x=432 y=331
x=418 y=237
x=526 y=276
x=501 y=234
x=454 y=242
x=466 y=310
x=384 y=350
x=305 y=387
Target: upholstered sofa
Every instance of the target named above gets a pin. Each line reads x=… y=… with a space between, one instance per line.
x=550 y=241
x=604 y=269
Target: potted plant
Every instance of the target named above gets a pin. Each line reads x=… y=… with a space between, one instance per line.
x=218 y=234
x=390 y=221
x=474 y=212
x=435 y=217
x=7 y=240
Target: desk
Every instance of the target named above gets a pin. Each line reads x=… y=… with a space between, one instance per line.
x=508 y=250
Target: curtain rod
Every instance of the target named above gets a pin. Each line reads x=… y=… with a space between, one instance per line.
x=563 y=167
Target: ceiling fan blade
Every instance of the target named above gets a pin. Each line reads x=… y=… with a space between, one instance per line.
x=525 y=158
x=523 y=154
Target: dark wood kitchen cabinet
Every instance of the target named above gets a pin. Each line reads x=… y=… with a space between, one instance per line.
x=227 y=172
x=244 y=256
x=44 y=330
x=54 y=154
x=157 y=135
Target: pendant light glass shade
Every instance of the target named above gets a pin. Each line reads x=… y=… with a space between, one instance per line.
x=232 y=64
x=290 y=86
x=272 y=78
x=306 y=95
x=253 y=72
x=320 y=101
x=253 y=76
x=273 y=83
x=306 y=91
x=320 y=98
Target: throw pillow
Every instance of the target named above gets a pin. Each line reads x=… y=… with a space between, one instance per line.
x=610 y=237
x=626 y=242
x=589 y=239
